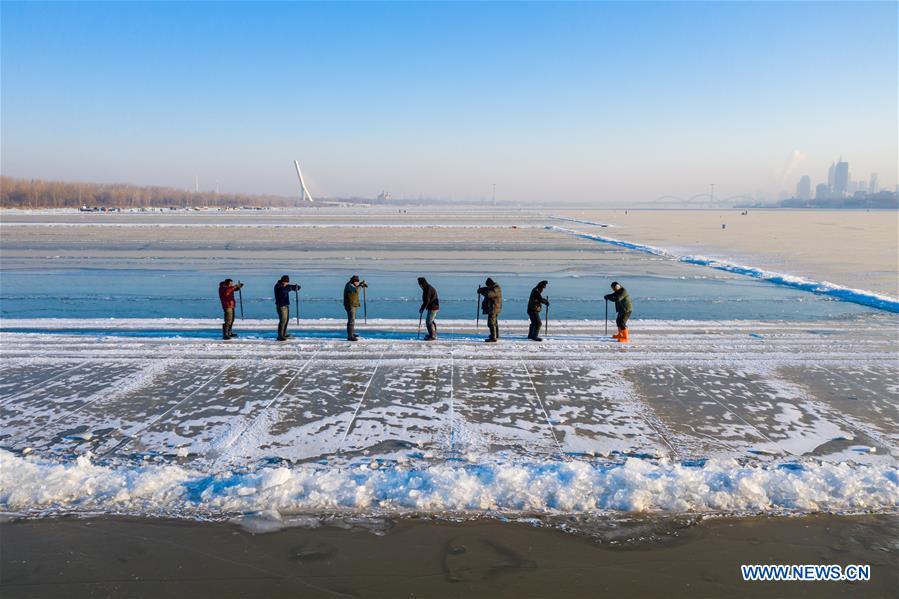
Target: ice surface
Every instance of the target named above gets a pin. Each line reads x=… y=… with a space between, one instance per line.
x=840 y=292
x=157 y=417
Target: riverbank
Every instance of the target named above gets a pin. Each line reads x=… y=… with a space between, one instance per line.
x=423 y=558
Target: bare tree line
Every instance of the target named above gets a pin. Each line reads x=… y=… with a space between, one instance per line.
x=33 y=193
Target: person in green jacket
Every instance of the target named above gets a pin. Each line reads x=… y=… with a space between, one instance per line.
x=623 y=308
x=535 y=305
x=350 y=303
x=491 y=305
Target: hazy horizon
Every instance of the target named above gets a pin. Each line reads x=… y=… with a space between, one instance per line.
x=600 y=103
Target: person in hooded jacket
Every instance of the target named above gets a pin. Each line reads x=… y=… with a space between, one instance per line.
x=623 y=309
x=431 y=303
x=491 y=305
x=535 y=305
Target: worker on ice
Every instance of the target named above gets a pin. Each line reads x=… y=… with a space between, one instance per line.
x=431 y=303
x=535 y=305
x=226 y=296
x=350 y=303
x=282 y=302
x=623 y=309
x=491 y=305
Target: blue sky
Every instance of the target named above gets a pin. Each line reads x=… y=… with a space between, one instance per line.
x=602 y=103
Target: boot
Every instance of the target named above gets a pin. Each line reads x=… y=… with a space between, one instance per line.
x=225 y=332
x=623 y=338
x=231 y=333
x=618 y=334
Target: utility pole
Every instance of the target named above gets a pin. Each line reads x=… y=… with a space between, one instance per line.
x=196 y=183
x=494 y=194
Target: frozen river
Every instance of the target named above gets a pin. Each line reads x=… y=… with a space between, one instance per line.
x=159 y=266
x=737 y=395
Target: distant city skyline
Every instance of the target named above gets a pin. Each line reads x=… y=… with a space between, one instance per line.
x=594 y=103
x=838 y=183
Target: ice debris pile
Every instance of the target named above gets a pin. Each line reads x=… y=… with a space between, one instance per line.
x=34 y=485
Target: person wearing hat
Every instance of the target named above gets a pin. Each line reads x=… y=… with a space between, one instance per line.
x=431 y=303
x=350 y=303
x=491 y=305
x=282 y=302
x=226 y=296
x=535 y=305
x=623 y=308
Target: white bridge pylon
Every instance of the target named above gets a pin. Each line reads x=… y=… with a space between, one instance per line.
x=305 y=196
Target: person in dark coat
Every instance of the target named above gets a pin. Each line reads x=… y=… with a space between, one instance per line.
x=623 y=309
x=282 y=303
x=350 y=303
x=226 y=297
x=431 y=303
x=535 y=305
x=491 y=305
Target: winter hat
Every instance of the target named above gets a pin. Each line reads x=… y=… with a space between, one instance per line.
x=285 y=279
x=490 y=282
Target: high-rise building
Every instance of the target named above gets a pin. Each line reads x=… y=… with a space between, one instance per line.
x=804 y=188
x=822 y=191
x=840 y=179
x=874 y=184
x=830 y=172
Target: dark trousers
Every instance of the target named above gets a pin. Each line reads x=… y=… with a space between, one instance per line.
x=493 y=325
x=621 y=319
x=350 y=323
x=283 y=319
x=536 y=323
